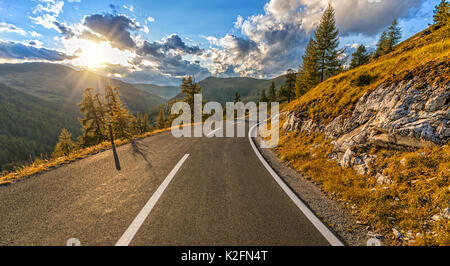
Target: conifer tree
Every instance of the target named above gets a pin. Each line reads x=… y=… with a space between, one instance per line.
x=140 y=124
x=189 y=88
x=360 y=57
x=65 y=144
x=118 y=117
x=92 y=122
x=281 y=94
x=144 y=124
x=394 y=35
x=382 y=45
x=263 y=98
x=237 y=97
x=289 y=85
x=308 y=73
x=326 y=40
x=161 y=123
x=388 y=40
x=442 y=13
x=272 y=92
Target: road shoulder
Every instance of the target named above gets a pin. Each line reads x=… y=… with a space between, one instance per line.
x=331 y=212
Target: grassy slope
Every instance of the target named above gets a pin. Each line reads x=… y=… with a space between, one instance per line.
x=41 y=165
x=421 y=188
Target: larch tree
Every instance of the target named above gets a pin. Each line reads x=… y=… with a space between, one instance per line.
x=92 y=122
x=442 y=13
x=65 y=144
x=360 y=57
x=326 y=40
x=118 y=117
x=161 y=122
x=140 y=124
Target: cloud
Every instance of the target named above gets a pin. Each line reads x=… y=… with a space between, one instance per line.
x=48 y=13
x=5 y=27
x=131 y=7
x=13 y=50
x=268 y=47
x=167 y=57
x=35 y=43
x=139 y=75
x=352 y=16
x=275 y=40
x=263 y=45
x=115 y=28
x=174 y=42
x=64 y=29
x=50 y=6
x=35 y=34
x=87 y=35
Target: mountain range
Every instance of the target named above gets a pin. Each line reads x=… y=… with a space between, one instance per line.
x=37 y=100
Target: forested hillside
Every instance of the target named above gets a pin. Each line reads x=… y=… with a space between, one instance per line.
x=166 y=92
x=64 y=86
x=37 y=100
x=223 y=89
x=29 y=126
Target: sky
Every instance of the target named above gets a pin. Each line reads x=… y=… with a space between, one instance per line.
x=161 y=41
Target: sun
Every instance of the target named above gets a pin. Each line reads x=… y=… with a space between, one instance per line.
x=94 y=55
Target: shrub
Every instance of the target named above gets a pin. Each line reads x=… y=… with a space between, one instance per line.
x=363 y=80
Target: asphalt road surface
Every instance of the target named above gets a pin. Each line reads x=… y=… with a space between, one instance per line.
x=170 y=191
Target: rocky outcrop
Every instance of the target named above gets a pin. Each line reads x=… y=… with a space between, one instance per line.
x=407 y=112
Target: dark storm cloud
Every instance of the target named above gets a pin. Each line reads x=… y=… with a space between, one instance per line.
x=115 y=28
x=12 y=50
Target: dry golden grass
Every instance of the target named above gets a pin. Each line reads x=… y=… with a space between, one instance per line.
x=420 y=189
x=338 y=95
x=41 y=165
x=421 y=179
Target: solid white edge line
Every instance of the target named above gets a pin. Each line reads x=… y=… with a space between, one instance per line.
x=214 y=131
x=129 y=234
x=329 y=236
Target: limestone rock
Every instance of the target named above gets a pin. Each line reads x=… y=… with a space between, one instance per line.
x=398 y=114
